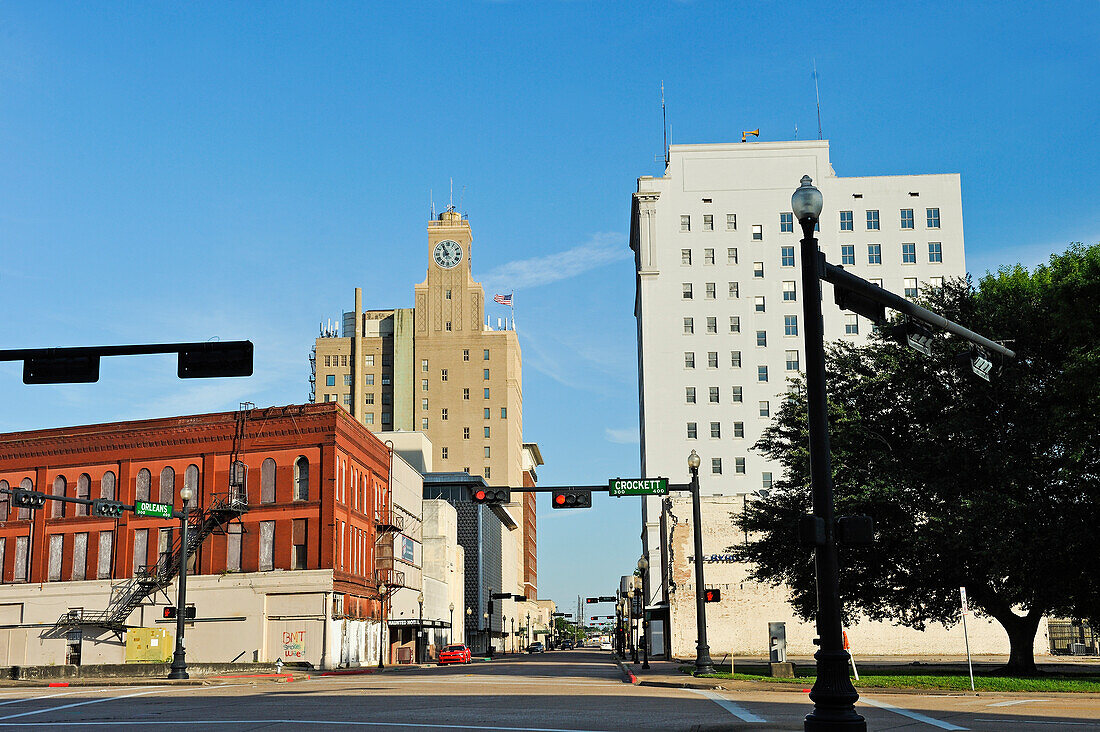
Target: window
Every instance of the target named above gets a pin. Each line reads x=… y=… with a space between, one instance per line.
x=368 y=379
x=368 y=398
x=486 y=451
x=761 y=373
x=106 y=544
x=851 y=324
x=735 y=359
x=687 y=291
x=347 y=398
x=689 y=326
x=735 y=324
x=486 y=429
x=83 y=490
x=344 y=359
x=685 y=223
x=466 y=395
x=488 y=471
x=141 y=549
x=465 y=354
x=790 y=294
x=712 y=359
x=712 y=325
x=786 y=255
x=443 y=453
x=713 y=394
x=765 y=409
x=689 y=360
x=368 y=418
x=759 y=300
x=465 y=433
x=443 y=375
x=693 y=431
x=758 y=270
x=485 y=374
x=933 y=218
x=910 y=287
x=424 y=404
x=710 y=290
x=385 y=379
x=387 y=418
x=298 y=537
x=758 y=232
x=715 y=429
x=908 y=253
x=716 y=466
x=504 y=412
x=935 y=251
x=424 y=365
x=368 y=360
x=708 y=256
x=347 y=379
x=846 y=221
x=739 y=430
x=486 y=393
x=731 y=222
x=735 y=291
x=301 y=479
x=731 y=255
x=708 y=222
x=762 y=338
x=790 y=325
x=786 y=223
x=689 y=394
x=685 y=256
x=739 y=465
x=738 y=395
x=847 y=253
x=107 y=483
x=328 y=360
x=792 y=360
x=448 y=294
x=144 y=479
x=907 y=218
x=330 y=380
x=874 y=254
x=443 y=414
x=872 y=221
x=935 y=283
x=488 y=413
x=80 y=557
x=267 y=546
x=447 y=326
x=267 y=481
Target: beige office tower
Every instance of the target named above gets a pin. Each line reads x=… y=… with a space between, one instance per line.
x=439 y=368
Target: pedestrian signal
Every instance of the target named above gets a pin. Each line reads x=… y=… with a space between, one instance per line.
x=712 y=596
x=170 y=612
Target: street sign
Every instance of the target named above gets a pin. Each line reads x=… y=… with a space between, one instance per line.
x=619 y=487
x=158 y=510
x=605 y=598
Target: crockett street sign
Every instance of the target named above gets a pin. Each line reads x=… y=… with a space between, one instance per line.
x=159 y=510
x=638 y=487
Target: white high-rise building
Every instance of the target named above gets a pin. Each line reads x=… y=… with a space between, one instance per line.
x=719 y=323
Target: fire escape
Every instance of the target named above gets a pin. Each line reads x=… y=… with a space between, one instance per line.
x=313 y=375
x=388 y=523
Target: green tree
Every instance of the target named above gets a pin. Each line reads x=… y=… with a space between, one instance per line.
x=992 y=486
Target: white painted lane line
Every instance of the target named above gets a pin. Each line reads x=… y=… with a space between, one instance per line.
x=1060 y=723
x=732 y=707
x=71 y=693
x=912 y=715
x=110 y=698
x=1018 y=701
x=322 y=722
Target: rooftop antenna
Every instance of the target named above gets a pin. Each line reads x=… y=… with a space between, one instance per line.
x=818 y=93
x=796 y=131
x=664 y=121
x=431 y=198
x=451 y=205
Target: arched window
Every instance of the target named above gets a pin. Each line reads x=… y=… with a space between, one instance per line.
x=4 y=501
x=301 y=479
x=107 y=486
x=83 y=490
x=191 y=480
x=167 y=486
x=267 y=481
x=144 y=479
x=28 y=485
x=57 y=508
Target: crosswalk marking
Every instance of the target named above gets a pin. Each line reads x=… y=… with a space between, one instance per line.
x=912 y=715
x=732 y=707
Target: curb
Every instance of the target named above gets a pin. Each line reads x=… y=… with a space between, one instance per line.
x=628 y=675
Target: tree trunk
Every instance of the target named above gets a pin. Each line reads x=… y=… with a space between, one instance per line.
x=1021 y=635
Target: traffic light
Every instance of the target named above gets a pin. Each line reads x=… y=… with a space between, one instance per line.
x=170 y=612
x=712 y=596
x=591 y=600
x=28 y=499
x=490 y=495
x=572 y=499
x=105 y=507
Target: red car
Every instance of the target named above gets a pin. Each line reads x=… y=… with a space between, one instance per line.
x=454 y=653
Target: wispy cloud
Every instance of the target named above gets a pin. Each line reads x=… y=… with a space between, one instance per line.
x=627 y=436
x=601 y=249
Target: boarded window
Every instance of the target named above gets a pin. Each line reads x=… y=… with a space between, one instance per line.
x=301 y=479
x=83 y=490
x=107 y=486
x=267 y=546
x=57 y=508
x=299 y=542
x=106 y=551
x=22 y=559
x=267 y=481
x=3 y=546
x=80 y=557
x=141 y=549
x=191 y=480
x=233 y=549
x=144 y=478
x=167 y=493
x=54 y=566
x=4 y=499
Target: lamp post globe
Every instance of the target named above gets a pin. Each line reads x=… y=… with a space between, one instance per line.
x=806 y=202
x=694 y=461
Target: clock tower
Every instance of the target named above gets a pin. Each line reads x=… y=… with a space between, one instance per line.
x=449 y=300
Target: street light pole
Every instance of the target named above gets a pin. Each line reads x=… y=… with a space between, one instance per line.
x=528 y=628
x=179 y=658
x=469 y=622
x=643 y=567
x=381 y=624
x=833 y=695
x=451 y=626
x=703 y=664
x=420 y=630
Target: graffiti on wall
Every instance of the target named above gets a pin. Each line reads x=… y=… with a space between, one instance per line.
x=294 y=644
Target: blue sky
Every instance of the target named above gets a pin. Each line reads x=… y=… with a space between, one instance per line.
x=174 y=172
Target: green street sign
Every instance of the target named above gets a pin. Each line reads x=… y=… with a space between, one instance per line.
x=638 y=487
x=158 y=510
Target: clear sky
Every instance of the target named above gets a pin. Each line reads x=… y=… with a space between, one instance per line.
x=180 y=171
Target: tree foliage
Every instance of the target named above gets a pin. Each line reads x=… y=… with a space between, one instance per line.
x=992 y=486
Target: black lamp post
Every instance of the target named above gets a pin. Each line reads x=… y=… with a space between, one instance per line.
x=382 y=625
x=833 y=695
x=469 y=623
x=703 y=664
x=643 y=567
x=417 y=646
x=528 y=628
x=488 y=631
x=451 y=626
x=513 y=634
x=179 y=658
x=630 y=625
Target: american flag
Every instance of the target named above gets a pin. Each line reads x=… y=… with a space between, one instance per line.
x=504 y=299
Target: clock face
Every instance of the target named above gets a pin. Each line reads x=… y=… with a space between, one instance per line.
x=448 y=253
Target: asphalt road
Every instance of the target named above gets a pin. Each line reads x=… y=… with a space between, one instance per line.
x=563 y=690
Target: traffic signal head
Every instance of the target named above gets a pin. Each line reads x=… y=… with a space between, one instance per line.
x=28 y=499
x=104 y=507
x=572 y=499
x=712 y=596
x=170 y=612
x=591 y=600
x=490 y=495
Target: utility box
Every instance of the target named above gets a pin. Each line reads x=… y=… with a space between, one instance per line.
x=148 y=645
x=777 y=642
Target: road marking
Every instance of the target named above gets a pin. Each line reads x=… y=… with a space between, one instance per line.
x=732 y=707
x=912 y=715
x=110 y=698
x=70 y=693
x=1037 y=721
x=1018 y=701
x=322 y=722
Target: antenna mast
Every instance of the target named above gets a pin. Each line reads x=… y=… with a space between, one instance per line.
x=818 y=93
x=664 y=122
